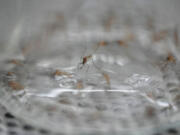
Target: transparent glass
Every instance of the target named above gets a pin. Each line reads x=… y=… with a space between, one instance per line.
x=91 y=66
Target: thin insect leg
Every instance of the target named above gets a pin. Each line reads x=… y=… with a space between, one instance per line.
x=87 y=68
x=106 y=77
x=102 y=43
x=98 y=68
x=79 y=66
x=95 y=50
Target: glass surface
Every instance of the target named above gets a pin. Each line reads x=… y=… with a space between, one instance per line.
x=89 y=66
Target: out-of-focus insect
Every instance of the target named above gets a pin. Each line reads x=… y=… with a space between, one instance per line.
x=51 y=108
x=65 y=101
x=58 y=23
x=171 y=58
x=10 y=73
x=60 y=73
x=15 y=85
x=121 y=43
x=15 y=62
x=79 y=84
x=109 y=22
x=106 y=77
x=128 y=37
x=150 y=111
x=102 y=43
x=158 y=36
